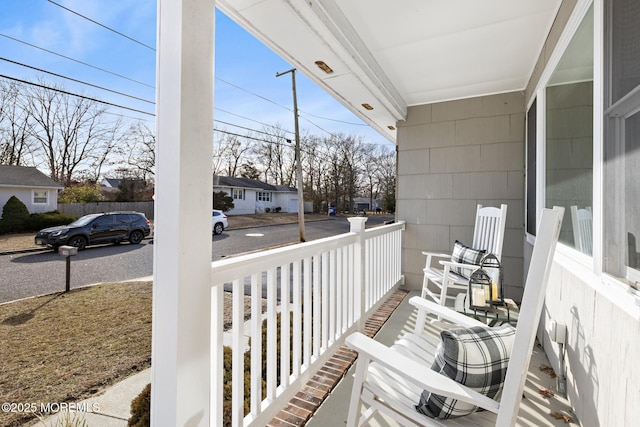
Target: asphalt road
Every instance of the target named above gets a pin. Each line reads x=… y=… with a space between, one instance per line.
x=38 y=273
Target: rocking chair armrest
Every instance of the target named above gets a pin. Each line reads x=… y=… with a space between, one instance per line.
x=452 y=264
x=444 y=313
x=416 y=373
x=431 y=255
x=436 y=254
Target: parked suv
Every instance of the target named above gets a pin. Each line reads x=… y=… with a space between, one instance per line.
x=110 y=227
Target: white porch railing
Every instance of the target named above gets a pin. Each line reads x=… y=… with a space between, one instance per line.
x=332 y=285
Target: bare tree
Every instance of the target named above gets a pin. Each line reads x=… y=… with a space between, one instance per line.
x=69 y=129
x=140 y=149
x=16 y=144
x=276 y=153
x=229 y=154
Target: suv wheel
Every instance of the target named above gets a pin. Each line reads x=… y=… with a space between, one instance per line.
x=79 y=242
x=136 y=237
x=218 y=228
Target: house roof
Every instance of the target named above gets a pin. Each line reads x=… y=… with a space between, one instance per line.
x=227 y=181
x=112 y=182
x=391 y=55
x=24 y=176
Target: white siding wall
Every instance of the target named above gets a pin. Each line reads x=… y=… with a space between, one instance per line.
x=287 y=201
x=248 y=205
x=603 y=325
x=25 y=195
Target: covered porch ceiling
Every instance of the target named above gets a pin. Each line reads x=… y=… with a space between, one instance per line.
x=391 y=55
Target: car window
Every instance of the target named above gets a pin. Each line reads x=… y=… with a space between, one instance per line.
x=216 y=213
x=81 y=222
x=124 y=218
x=103 y=221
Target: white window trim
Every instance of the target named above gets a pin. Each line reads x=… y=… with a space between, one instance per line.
x=588 y=268
x=239 y=190
x=33 y=197
x=261 y=194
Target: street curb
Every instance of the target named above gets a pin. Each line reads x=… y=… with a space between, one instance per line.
x=38 y=249
x=24 y=251
x=281 y=223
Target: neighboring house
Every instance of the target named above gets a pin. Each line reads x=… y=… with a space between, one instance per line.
x=252 y=196
x=36 y=190
x=109 y=185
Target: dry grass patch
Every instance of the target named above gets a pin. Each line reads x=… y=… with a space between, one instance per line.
x=66 y=347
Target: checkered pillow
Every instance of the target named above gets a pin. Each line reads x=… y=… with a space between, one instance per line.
x=476 y=357
x=466 y=255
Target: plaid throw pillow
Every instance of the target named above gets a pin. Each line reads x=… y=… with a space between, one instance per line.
x=476 y=357
x=466 y=255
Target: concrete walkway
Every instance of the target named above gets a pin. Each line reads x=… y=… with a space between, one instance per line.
x=109 y=409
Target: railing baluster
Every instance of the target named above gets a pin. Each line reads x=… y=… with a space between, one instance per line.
x=271 y=334
x=307 y=315
x=325 y=301
x=317 y=297
x=256 y=344
x=297 y=319
x=237 y=346
x=285 y=325
x=333 y=303
x=339 y=271
x=344 y=286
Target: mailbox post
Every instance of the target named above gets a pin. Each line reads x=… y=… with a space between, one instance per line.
x=68 y=251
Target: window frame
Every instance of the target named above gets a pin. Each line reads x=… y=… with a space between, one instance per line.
x=576 y=261
x=531 y=150
x=263 y=196
x=34 y=196
x=239 y=192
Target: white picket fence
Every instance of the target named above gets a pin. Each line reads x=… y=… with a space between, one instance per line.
x=321 y=291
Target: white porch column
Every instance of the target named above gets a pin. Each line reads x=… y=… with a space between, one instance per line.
x=183 y=201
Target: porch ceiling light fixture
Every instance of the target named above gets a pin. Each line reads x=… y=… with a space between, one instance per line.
x=367 y=106
x=324 y=67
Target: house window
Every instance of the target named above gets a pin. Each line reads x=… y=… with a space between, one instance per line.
x=238 y=194
x=264 y=196
x=569 y=138
x=621 y=150
x=40 y=197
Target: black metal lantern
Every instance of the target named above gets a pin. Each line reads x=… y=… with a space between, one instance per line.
x=485 y=285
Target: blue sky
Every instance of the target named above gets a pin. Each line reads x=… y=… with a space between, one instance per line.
x=245 y=68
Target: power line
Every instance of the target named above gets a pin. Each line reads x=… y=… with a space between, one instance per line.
x=103 y=26
x=287 y=108
x=250 y=129
x=262 y=140
x=333 y=120
x=249 y=119
x=152 y=87
x=76 y=95
x=75 y=60
x=75 y=80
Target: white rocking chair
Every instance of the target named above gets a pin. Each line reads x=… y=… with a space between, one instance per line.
x=488 y=234
x=391 y=379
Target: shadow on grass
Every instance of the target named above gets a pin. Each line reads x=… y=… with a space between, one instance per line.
x=22 y=318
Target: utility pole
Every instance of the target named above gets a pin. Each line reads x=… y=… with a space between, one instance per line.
x=297 y=154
